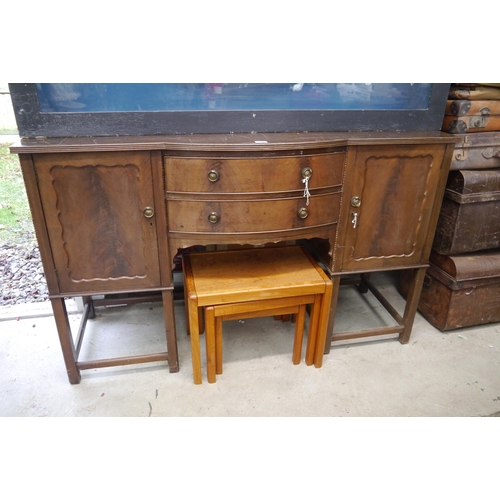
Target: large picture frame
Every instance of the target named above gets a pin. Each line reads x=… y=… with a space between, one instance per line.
x=33 y=122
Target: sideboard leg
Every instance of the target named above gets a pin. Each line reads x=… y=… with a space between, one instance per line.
x=412 y=304
x=168 y=311
x=363 y=286
x=87 y=299
x=333 y=311
x=66 y=340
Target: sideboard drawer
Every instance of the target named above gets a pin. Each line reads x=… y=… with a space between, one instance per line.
x=252 y=216
x=252 y=174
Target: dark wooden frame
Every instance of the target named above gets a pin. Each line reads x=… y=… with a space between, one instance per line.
x=32 y=122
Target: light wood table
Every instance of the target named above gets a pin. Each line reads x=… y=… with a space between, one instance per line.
x=237 y=284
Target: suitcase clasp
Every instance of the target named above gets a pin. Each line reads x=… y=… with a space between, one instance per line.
x=477 y=122
x=491 y=152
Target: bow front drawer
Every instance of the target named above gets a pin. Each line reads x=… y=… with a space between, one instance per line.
x=252 y=216
x=235 y=175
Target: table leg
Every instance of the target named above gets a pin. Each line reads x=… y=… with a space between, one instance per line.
x=312 y=333
x=326 y=302
x=87 y=299
x=299 y=335
x=333 y=311
x=193 y=317
x=169 y=315
x=186 y=308
x=363 y=287
x=218 y=345
x=210 y=343
x=66 y=340
x=412 y=304
x=194 y=328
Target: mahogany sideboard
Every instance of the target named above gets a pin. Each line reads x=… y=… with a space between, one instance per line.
x=111 y=213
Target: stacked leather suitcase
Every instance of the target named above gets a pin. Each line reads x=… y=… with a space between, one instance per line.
x=472 y=108
x=462 y=284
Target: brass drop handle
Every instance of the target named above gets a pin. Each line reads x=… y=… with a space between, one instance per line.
x=213 y=176
x=307 y=173
x=303 y=213
x=354 y=221
x=213 y=217
x=148 y=212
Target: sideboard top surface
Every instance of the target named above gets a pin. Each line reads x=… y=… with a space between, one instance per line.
x=227 y=142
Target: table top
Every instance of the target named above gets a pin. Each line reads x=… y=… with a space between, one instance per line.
x=254 y=274
x=227 y=142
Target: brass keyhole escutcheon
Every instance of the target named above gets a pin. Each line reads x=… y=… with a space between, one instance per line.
x=356 y=201
x=214 y=217
x=306 y=173
x=148 y=212
x=303 y=213
x=213 y=176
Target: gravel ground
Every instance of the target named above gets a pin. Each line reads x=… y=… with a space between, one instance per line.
x=22 y=279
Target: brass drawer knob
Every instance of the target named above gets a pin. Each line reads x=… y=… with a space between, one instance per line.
x=303 y=213
x=214 y=217
x=213 y=176
x=148 y=212
x=306 y=173
x=356 y=201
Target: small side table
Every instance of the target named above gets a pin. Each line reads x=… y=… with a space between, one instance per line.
x=268 y=281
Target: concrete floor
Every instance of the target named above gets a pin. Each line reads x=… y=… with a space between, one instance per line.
x=437 y=374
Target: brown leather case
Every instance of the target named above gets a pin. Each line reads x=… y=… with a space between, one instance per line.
x=469 y=220
x=459 y=291
x=477 y=151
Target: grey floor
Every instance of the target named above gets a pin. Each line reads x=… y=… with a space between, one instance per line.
x=437 y=374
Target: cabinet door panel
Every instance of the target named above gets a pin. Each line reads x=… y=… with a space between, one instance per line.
x=93 y=205
x=396 y=187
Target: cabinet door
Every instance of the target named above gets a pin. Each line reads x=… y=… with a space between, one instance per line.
x=94 y=206
x=387 y=205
